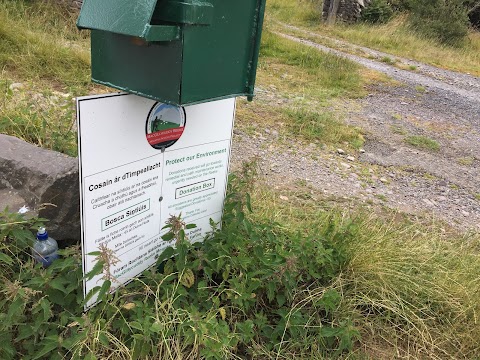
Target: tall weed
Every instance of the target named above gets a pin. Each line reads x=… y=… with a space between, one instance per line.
x=251 y=290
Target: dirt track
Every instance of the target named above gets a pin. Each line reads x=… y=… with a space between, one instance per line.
x=431 y=102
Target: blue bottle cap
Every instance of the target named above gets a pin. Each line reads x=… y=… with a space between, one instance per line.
x=42 y=234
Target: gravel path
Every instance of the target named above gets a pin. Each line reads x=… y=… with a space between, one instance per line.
x=430 y=102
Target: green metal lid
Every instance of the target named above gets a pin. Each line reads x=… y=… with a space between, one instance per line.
x=118 y=16
x=134 y=18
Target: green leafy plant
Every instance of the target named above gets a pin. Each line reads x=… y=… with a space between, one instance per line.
x=36 y=304
x=251 y=289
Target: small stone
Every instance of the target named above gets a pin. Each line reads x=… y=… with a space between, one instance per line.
x=283 y=197
x=465 y=213
x=340 y=151
x=403 y=103
x=345 y=165
x=16 y=86
x=441 y=198
x=350 y=158
x=428 y=202
x=267 y=131
x=362 y=151
x=275 y=133
x=383 y=180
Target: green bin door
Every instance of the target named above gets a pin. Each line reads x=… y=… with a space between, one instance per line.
x=220 y=60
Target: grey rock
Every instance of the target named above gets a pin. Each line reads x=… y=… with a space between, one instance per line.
x=16 y=86
x=340 y=151
x=47 y=181
x=12 y=200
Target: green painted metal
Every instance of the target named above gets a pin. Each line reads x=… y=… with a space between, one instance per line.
x=188 y=51
x=162 y=33
x=149 y=70
x=184 y=12
x=128 y=17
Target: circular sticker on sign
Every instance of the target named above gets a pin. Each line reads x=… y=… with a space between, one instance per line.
x=165 y=125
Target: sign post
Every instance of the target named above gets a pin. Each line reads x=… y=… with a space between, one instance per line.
x=142 y=161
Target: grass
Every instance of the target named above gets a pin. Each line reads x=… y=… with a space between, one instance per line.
x=303 y=83
x=45 y=118
x=422 y=142
x=41 y=49
x=296 y=12
x=466 y=161
x=327 y=75
x=420 y=89
x=393 y=37
x=388 y=60
x=40 y=43
x=298 y=122
x=409 y=286
x=322 y=126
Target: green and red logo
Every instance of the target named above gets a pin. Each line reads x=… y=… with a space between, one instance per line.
x=165 y=125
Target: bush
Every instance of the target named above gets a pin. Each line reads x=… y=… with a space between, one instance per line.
x=443 y=20
x=378 y=12
x=252 y=290
x=399 y=5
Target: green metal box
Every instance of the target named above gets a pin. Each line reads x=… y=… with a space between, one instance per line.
x=175 y=51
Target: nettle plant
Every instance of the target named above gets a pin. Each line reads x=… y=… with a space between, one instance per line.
x=249 y=290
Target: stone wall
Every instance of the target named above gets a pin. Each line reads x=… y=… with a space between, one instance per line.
x=348 y=10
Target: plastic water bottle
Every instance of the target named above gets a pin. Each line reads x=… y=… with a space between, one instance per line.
x=45 y=248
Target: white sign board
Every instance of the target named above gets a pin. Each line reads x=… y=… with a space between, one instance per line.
x=140 y=162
